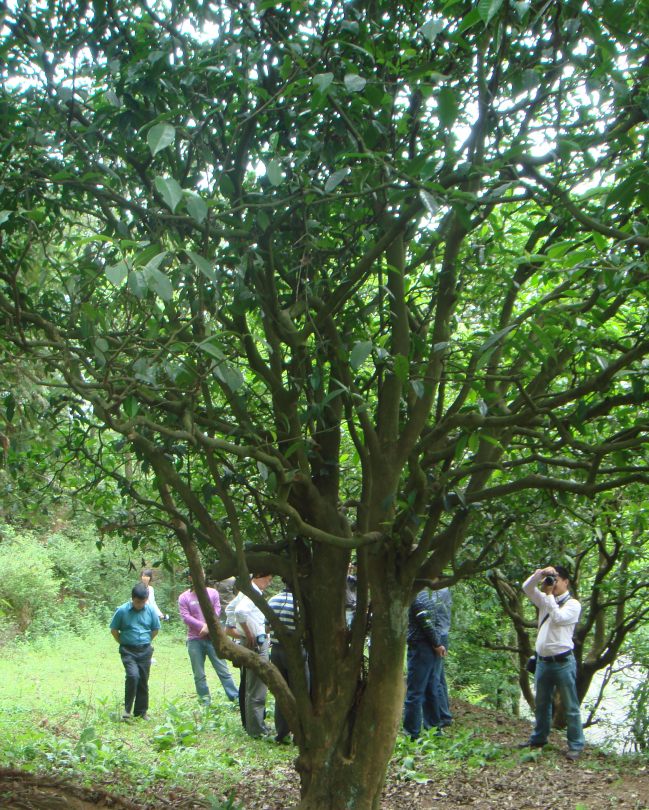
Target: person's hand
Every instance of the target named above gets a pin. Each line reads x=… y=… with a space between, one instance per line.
x=204 y=631
x=441 y=651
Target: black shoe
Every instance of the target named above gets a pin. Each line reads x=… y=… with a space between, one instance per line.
x=520 y=746
x=573 y=754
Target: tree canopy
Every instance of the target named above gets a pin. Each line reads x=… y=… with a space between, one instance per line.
x=305 y=279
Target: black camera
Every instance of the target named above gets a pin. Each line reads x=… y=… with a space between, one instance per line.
x=550 y=580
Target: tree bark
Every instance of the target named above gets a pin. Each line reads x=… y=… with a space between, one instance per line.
x=351 y=745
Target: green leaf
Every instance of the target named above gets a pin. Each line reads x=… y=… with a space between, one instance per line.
x=231 y=376
x=262 y=219
x=488 y=8
x=430 y=203
x=544 y=340
x=287 y=64
x=531 y=79
x=601 y=242
x=202 y=264
x=146 y=255
x=332 y=395
x=161 y=284
x=274 y=172
x=446 y=107
x=160 y=136
x=489 y=342
x=491 y=440
x=112 y=98
x=469 y=20
x=212 y=350
x=10 y=406
x=171 y=192
x=432 y=28
x=354 y=83
x=322 y=81
x=137 y=283
x=293 y=448
x=336 y=179
x=521 y=8
x=197 y=207
x=559 y=250
x=401 y=368
x=418 y=388
x=155 y=261
x=359 y=354
x=131 y=407
x=4 y=216
x=117 y=273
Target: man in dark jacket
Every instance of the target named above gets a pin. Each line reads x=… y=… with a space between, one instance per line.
x=425 y=657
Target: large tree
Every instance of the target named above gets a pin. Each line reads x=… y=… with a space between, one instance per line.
x=305 y=280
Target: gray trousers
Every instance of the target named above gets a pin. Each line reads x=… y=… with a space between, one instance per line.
x=256 y=691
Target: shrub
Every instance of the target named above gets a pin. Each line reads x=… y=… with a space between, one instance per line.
x=58 y=582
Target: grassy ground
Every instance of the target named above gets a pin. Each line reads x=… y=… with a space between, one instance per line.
x=59 y=707
x=60 y=703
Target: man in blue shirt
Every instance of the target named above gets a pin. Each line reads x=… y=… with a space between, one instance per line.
x=134 y=626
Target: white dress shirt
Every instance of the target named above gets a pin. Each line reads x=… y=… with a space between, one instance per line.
x=247 y=611
x=555 y=633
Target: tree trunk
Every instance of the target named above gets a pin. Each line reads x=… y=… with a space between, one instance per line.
x=349 y=752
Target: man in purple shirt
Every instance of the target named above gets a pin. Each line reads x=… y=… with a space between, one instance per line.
x=199 y=645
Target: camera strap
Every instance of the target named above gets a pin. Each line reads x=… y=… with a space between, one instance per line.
x=547 y=615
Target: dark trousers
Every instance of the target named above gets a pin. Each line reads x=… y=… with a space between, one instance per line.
x=424 y=671
x=242 y=696
x=444 y=706
x=137 y=664
x=278 y=657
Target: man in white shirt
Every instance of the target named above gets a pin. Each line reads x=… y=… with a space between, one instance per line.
x=556 y=666
x=251 y=624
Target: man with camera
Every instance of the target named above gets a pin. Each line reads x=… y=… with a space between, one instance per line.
x=555 y=663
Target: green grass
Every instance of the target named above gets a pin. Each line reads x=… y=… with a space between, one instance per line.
x=60 y=703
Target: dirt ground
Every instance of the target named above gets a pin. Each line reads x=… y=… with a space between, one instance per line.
x=595 y=782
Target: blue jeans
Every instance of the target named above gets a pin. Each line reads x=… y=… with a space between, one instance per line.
x=442 y=692
x=424 y=670
x=199 y=649
x=563 y=676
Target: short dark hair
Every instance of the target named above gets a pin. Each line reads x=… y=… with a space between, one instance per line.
x=261 y=576
x=140 y=591
x=562 y=571
x=147 y=572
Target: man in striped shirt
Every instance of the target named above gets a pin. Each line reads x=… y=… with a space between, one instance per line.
x=282 y=605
